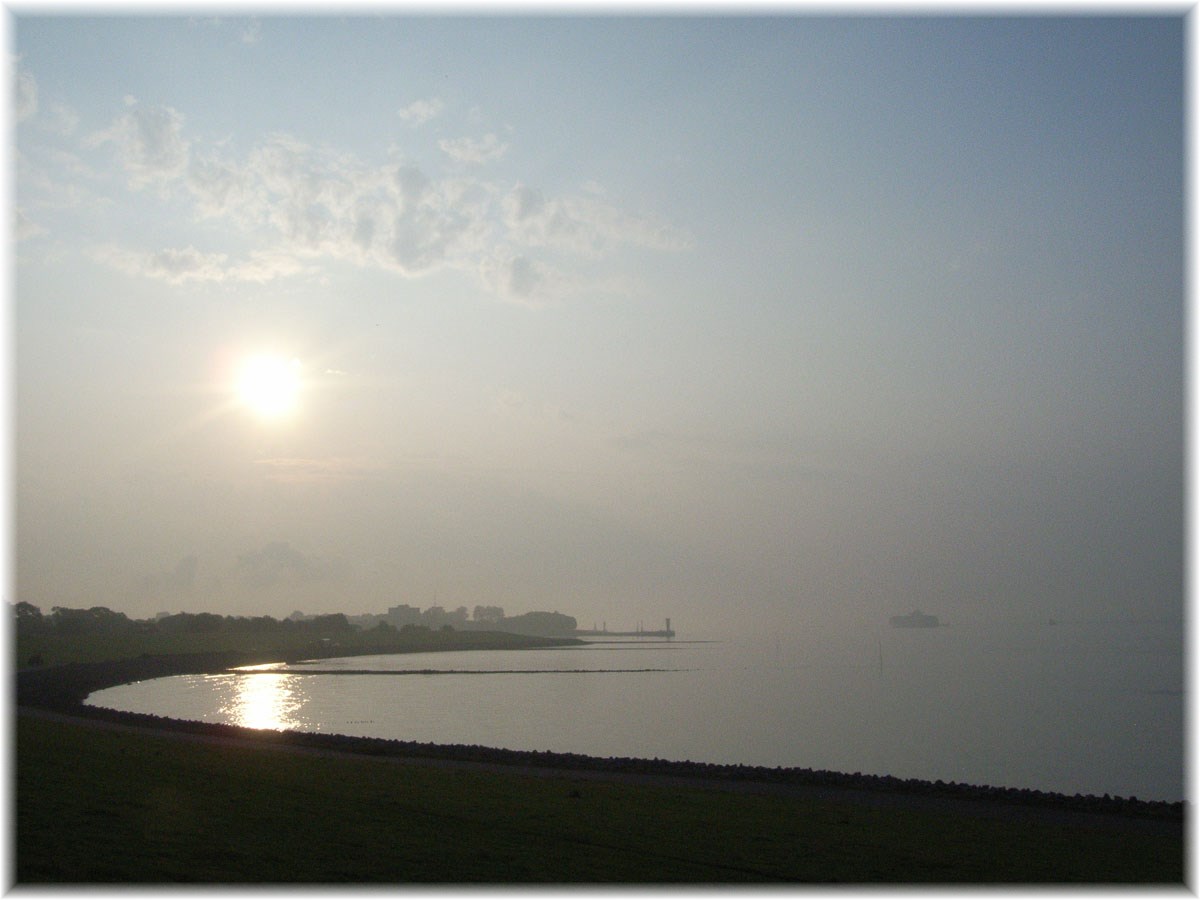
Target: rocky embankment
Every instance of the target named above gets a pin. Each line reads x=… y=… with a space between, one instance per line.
x=64 y=689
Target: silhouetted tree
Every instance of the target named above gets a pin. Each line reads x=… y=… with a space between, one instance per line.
x=206 y=623
x=82 y=621
x=29 y=617
x=331 y=622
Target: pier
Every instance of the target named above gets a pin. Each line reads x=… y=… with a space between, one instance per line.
x=640 y=632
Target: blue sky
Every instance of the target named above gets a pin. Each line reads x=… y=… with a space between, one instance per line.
x=767 y=318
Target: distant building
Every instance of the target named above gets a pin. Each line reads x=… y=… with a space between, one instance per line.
x=402 y=615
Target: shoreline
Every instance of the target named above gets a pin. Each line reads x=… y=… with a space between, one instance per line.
x=64 y=690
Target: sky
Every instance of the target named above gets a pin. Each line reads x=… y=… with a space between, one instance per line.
x=762 y=320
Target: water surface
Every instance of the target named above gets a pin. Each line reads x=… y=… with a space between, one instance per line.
x=1075 y=708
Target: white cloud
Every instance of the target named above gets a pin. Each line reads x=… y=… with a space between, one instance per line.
x=60 y=119
x=172 y=265
x=323 y=203
x=25 y=228
x=586 y=225
x=421 y=111
x=523 y=280
x=474 y=150
x=26 y=99
x=267 y=265
x=71 y=164
x=179 y=265
x=53 y=180
x=149 y=142
x=302 y=203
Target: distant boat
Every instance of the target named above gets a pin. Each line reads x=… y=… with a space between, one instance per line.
x=915 y=619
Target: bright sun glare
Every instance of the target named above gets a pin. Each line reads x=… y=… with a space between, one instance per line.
x=269 y=385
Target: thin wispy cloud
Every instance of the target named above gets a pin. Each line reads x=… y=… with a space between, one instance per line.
x=474 y=150
x=60 y=119
x=252 y=33
x=181 y=265
x=24 y=227
x=149 y=143
x=523 y=280
x=583 y=224
x=301 y=202
x=25 y=101
x=421 y=111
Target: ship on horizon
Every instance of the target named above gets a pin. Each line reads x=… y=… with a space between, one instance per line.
x=915 y=619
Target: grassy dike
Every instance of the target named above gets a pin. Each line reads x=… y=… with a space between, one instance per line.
x=97 y=804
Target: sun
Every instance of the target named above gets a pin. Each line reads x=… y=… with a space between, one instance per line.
x=269 y=385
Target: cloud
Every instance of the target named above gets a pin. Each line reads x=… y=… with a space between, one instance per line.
x=247 y=33
x=171 y=265
x=421 y=111
x=279 y=563
x=61 y=119
x=56 y=179
x=177 y=266
x=524 y=280
x=149 y=142
x=26 y=228
x=25 y=103
x=474 y=150
x=303 y=203
x=322 y=203
x=267 y=265
x=583 y=224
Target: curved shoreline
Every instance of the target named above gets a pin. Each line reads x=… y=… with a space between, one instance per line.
x=63 y=689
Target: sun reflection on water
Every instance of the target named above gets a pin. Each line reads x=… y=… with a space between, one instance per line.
x=264 y=701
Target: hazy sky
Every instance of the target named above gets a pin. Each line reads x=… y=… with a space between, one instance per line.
x=780 y=318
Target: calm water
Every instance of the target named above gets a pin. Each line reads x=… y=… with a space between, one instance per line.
x=1077 y=708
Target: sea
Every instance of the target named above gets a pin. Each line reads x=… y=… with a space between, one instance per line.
x=1071 y=707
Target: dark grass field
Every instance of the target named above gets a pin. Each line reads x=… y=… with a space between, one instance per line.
x=98 y=805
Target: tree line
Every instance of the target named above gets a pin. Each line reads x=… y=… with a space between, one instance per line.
x=100 y=619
